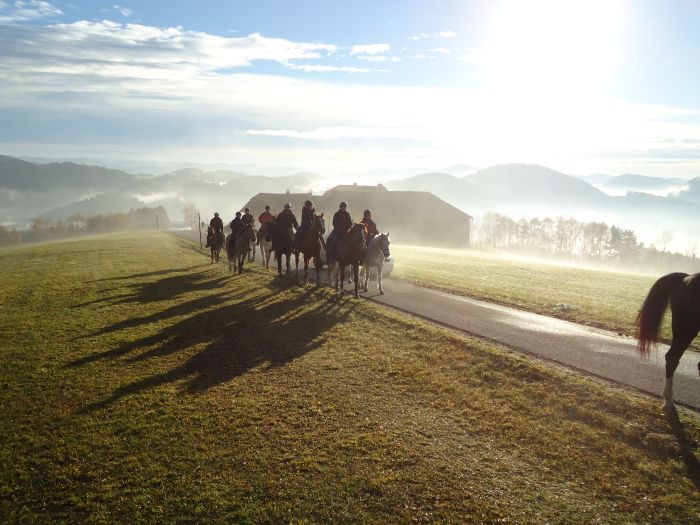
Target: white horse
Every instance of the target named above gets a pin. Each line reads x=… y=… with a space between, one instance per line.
x=265 y=246
x=239 y=247
x=376 y=253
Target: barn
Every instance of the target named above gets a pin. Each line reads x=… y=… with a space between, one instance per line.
x=411 y=217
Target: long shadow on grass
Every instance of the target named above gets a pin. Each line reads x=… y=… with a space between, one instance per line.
x=262 y=332
x=138 y=275
x=164 y=289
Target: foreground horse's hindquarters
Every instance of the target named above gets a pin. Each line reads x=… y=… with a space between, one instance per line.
x=374 y=256
x=215 y=241
x=682 y=291
x=348 y=251
x=282 y=244
x=238 y=247
x=310 y=245
x=265 y=243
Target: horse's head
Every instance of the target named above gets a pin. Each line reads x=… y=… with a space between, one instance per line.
x=319 y=224
x=384 y=243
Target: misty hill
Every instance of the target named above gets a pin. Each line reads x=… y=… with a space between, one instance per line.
x=520 y=190
x=57 y=190
x=621 y=184
x=691 y=191
x=98 y=205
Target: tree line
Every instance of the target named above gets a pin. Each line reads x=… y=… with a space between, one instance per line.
x=568 y=238
x=77 y=224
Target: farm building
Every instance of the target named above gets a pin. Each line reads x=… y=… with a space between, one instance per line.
x=411 y=217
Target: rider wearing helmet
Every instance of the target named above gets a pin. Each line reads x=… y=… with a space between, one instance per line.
x=217 y=227
x=371 y=230
x=247 y=217
x=237 y=224
x=286 y=220
x=307 y=220
x=342 y=222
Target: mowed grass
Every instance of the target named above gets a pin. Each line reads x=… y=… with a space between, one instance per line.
x=140 y=384
x=598 y=298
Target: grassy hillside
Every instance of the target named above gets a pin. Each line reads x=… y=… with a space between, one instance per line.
x=138 y=383
x=596 y=298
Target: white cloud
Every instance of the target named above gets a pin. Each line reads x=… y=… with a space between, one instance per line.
x=27 y=10
x=447 y=34
x=379 y=58
x=370 y=49
x=318 y=68
x=341 y=132
x=124 y=11
x=472 y=55
x=420 y=36
x=440 y=50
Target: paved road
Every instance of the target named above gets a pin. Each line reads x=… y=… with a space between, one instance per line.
x=595 y=351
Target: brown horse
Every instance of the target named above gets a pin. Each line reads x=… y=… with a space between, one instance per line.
x=682 y=291
x=239 y=246
x=347 y=251
x=282 y=244
x=310 y=245
x=215 y=241
x=265 y=243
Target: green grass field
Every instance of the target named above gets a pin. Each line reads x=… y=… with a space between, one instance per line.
x=140 y=384
x=593 y=297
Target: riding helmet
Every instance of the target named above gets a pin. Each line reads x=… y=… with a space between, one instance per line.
x=287 y=206
x=343 y=204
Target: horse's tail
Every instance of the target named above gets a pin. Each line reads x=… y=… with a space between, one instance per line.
x=652 y=311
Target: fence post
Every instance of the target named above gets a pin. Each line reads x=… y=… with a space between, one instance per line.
x=199 y=227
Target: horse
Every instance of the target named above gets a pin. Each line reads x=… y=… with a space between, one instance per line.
x=347 y=251
x=375 y=255
x=239 y=246
x=282 y=244
x=310 y=245
x=682 y=291
x=215 y=241
x=264 y=241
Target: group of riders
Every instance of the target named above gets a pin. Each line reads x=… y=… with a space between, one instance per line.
x=287 y=222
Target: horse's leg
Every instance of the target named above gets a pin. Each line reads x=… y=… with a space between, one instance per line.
x=380 y=267
x=355 y=272
x=278 y=256
x=341 y=270
x=683 y=335
x=317 y=264
x=306 y=269
x=289 y=264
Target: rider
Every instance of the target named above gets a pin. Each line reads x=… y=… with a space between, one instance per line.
x=342 y=222
x=266 y=215
x=248 y=217
x=371 y=230
x=217 y=225
x=286 y=219
x=307 y=220
x=237 y=225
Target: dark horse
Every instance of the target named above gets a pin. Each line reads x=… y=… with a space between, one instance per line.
x=282 y=244
x=215 y=241
x=310 y=245
x=347 y=250
x=239 y=246
x=683 y=292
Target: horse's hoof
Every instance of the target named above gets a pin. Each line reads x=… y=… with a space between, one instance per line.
x=381 y=292
x=668 y=407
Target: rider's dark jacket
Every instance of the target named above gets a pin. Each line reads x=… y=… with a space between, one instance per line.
x=217 y=224
x=248 y=218
x=342 y=221
x=307 y=218
x=371 y=230
x=236 y=226
x=286 y=219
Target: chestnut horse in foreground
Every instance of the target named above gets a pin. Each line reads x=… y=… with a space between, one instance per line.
x=310 y=245
x=347 y=251
x=682 y=291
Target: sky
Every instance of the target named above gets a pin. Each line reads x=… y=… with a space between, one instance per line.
x=590 y=86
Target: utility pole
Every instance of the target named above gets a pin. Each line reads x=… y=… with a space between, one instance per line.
x=199 y=227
